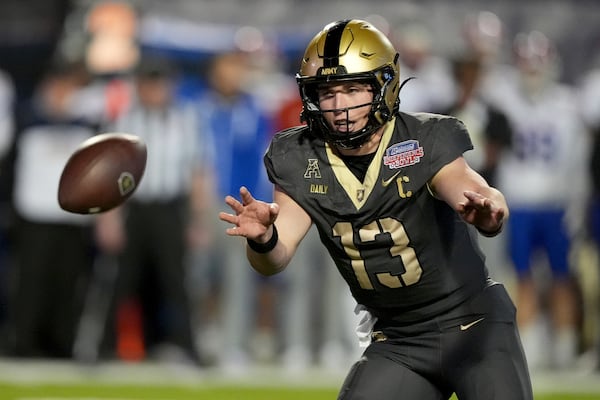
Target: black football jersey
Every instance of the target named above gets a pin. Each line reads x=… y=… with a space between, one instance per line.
x=406 y=255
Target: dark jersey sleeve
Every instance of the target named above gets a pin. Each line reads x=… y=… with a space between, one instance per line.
x=268 y=160
x=450 y=140
x=284 y=157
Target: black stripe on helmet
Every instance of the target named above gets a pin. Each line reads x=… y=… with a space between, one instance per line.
x=332 y=44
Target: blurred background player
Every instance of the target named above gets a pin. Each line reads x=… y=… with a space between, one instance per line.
x=544 y=180
x=432 y=88
x=239 y=128
x=53 y=250
x=484 y=36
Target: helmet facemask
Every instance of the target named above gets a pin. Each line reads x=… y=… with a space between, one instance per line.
x=370 y=59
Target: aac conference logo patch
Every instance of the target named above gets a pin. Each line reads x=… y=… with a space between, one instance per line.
x=403 y=154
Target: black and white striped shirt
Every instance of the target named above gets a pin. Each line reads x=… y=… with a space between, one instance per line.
x=175 y=149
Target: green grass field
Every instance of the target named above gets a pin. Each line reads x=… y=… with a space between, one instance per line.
x=161 y=393
x=26 y=380
x=139 y=392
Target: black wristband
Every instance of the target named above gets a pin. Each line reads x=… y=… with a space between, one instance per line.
x=264 y=247
x=491 y=234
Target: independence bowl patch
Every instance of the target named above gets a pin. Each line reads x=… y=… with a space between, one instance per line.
x=403 y=154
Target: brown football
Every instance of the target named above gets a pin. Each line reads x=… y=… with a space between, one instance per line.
x=102 y=173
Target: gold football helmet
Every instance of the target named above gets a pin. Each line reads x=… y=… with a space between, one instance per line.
x=350 y=50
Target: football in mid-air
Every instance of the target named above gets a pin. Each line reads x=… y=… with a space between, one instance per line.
x=102 y=173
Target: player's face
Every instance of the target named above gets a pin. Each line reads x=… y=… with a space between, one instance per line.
x=346 y=106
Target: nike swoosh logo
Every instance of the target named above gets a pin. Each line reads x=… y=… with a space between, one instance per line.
x=470 y=324
x=386 y=182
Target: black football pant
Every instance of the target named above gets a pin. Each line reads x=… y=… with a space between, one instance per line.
x=473 y=357
x=153 y=266
x=52 y=265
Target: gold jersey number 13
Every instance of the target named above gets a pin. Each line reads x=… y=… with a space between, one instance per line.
x=408 y=271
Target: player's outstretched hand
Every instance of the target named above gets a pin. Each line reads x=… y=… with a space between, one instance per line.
x=252 y=217
x=481 y=212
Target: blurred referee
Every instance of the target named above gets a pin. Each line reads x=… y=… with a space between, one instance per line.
x=151 y=231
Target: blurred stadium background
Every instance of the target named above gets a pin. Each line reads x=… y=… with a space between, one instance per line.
x=33 y=31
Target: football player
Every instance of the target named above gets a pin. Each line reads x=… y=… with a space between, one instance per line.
x=546 y=221
x=398 y=209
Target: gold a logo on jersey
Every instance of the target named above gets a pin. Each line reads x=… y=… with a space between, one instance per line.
x=312 y=169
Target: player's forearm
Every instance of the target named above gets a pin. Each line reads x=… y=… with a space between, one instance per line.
x=269 y=263
x=268 y=258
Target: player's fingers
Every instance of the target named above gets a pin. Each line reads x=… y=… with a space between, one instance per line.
x=234 y=231
x=500 y=214
x=246 y=196
x=234 y=204
x=478 y=201
x=486 y=203
x=226 y=217
x=273 y=212
x=230 y=200
x=475 y=197
x=469 y=194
